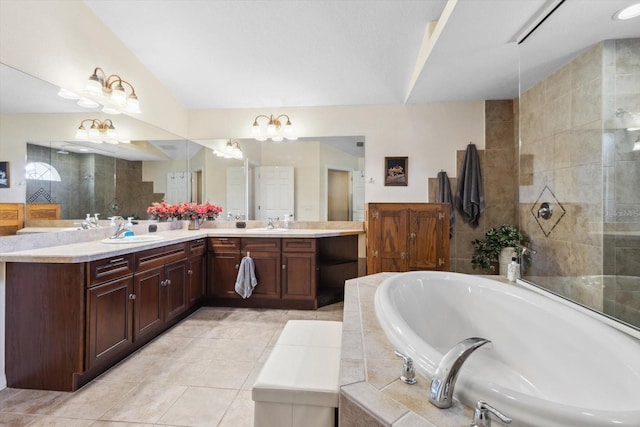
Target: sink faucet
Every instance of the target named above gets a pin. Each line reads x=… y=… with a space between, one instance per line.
x=270 y=223
x=444 y=379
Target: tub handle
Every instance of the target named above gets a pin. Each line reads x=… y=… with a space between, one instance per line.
x=482 y=415
x=408 y=371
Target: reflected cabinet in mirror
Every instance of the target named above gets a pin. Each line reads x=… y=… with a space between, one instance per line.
x=579 y=159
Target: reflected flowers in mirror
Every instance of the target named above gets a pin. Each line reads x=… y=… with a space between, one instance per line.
x=183 y=211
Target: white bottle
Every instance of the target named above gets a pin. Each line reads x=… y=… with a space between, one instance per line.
x=513 y=270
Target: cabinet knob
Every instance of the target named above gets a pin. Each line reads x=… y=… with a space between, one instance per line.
x=168 y=282
x=189 y=272
x=237 y=266
x=132 y=296
x=412 y=236
x=284 y=266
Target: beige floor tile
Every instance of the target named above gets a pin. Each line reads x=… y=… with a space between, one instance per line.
x=16 y=420
x=166 y=346
x=49 y=421
x=146 y=403
x=31 y=401
x=93 y=400
x=225 y=374
x=199 y=406
x=135 y=369
x=181 y=372
x=118 y=424
x=199 y=373
x=240 y=413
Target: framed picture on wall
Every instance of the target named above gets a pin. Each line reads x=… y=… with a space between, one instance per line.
x=396 y=171
x=4 y=174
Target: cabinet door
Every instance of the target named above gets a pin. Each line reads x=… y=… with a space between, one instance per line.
x=299 y=275
x=423 y=244
x=147 y=307
x=175 y=290
x=387 y=239
x=428 y=238
x=110 y=320
x=267 y=270
x=195 y=280
x=223 y=270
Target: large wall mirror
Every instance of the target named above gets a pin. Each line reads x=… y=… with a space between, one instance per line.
x=580 y=156
x=326 y=179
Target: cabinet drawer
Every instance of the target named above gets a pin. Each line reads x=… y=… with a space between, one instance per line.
x=298 y=245
x=160 y=256
x=107 y=269
x=197 y=247
x=260 y=244
x=224 y=244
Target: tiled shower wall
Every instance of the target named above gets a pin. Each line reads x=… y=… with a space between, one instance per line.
x=499 y=167
x=91 y=183
x=561 y=134
x=621 y=176
x=575 y=142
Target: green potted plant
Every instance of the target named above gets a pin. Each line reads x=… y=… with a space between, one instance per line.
x=487 y=251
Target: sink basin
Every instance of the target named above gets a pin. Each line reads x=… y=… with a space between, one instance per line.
x=139 y=238
x=266 y=230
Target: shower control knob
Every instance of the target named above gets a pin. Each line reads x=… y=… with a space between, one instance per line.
x=408 y=371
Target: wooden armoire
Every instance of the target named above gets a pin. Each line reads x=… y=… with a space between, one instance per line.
x=407 y=236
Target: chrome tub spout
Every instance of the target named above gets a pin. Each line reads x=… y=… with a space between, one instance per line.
x=444 y=379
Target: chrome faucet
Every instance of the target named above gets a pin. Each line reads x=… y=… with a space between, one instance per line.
x=523 y=251
x=270 y=223
x=482 y=415
x=444 y=379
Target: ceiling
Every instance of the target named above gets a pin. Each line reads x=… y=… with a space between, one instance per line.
x=285 y=53
x=289 y=53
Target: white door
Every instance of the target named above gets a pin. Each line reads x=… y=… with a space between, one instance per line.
x=235 y=191
x=177 y=187
x=357 y=195
x=274 y=192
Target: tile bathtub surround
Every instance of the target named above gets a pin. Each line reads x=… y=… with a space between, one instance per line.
x=198 y=373
x=371 y=392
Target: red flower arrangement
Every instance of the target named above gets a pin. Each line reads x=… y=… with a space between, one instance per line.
x=187 y=211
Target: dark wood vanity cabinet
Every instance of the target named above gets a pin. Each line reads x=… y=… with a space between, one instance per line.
x=110 y=297
x=302 y=273
x=67 y=323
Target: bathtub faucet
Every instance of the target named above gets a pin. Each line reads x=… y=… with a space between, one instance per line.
x=444 y=379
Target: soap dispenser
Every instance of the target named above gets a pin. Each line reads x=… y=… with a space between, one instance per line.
x=513 y=270
x=128 y=228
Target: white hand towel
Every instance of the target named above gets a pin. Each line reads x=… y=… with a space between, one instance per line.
x=246 y=280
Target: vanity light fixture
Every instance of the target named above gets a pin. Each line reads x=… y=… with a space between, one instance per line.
x=110 y=91
x=628 y=12
x=99 y=131
x=274 y=128
x=230 y=151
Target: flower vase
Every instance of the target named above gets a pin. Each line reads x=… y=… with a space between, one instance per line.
x=194 y=224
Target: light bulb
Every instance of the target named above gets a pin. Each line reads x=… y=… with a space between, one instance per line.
x=81 y=133
x=271 y=129
x=93 y=86
x=118 y=95
x=133 y=105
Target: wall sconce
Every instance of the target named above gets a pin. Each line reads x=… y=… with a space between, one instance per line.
x=98 y=132
x=108 y=91
x=630 y=121
x=274 y=129
x=230 y=151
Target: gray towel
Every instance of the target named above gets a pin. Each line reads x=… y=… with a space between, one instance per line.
x=444 y=196
x=246 y=280
x=470 y=194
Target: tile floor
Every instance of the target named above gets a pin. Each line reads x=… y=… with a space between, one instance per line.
x=199 y=373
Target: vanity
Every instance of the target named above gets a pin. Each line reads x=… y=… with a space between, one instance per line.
x=75 y=310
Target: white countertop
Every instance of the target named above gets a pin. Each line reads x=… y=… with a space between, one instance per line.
x=95 y=249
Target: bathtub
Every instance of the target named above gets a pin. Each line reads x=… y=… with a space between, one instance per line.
x=548 y=364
